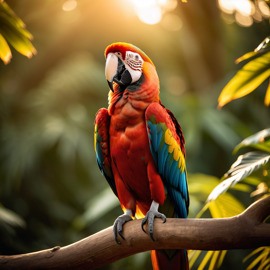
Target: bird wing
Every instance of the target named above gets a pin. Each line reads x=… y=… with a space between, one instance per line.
x=102 y=148
x=167 y=147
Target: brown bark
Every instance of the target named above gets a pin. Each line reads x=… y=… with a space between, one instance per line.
x=246 y=230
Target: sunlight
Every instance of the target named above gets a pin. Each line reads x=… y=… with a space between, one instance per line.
x=244 y=7
x=243 y=20
x=226 y=6
x=151 y=11
x=141 y=4
x=264 y=8
x=69 y=5
x=244 y=11
x=151 y=15
x=170 y=5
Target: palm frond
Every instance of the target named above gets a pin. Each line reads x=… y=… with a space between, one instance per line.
x=262 y=259
x=256 y=138
x=243 y=167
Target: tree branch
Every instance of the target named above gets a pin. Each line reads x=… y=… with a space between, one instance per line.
x=244 y=231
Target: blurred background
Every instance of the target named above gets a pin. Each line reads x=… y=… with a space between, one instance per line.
x=51 y=190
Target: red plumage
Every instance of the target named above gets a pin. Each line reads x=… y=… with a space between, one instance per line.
x=123 y=152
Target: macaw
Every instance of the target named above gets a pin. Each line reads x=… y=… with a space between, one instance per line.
x=140 y=148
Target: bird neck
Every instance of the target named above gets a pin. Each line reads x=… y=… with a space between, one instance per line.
x=147 y=93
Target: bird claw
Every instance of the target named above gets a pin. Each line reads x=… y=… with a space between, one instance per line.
x=118 y=226
x=150 y=216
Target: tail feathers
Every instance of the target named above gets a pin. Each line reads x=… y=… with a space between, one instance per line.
x=169 y=259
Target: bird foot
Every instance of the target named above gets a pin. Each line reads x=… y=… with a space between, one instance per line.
x=150 y=216
x=118 y=226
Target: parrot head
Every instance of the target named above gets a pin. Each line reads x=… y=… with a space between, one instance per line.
x=128 y=67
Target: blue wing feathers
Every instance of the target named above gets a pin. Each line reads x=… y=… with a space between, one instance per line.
x=159 y=137
x=161 y=158
x=174 y=178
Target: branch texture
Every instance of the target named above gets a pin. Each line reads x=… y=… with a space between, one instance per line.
x=244 y=231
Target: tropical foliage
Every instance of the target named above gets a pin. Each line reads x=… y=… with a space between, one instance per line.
x=51 y=190
x=245 y=165
x=12 y=30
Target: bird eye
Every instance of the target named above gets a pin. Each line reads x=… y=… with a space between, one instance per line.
x=137 y=57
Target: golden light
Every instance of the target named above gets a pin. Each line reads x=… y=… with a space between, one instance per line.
x=257 y=16
x=245 y=7
x=171 y=22
x=161 y=2
x=69 y=5
x=170 y=5
x=226 y=5
x=264 y=8
x=243 y=20
x=151 y=11
x=228 y=18
x=150 y=15
x=141 y=4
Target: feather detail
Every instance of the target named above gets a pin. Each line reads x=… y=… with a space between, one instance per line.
x=102 y=149
x=165 y=140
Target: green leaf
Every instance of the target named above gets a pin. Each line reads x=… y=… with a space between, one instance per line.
x=12 y=29
x=242 y=187
x=199 y=184
x=263 y=264
x=256 y=138
x=258 y=259
x=215 y=260
x=226 y=205
x=262 y=146
x=245 y=57
x=243 y=167
x=193 y=255
x=205 y=260
x=18 y=41
x=252 y=181
x=14 y=25
x=203 y=210
x=221 y=257
x=267 y=96
x=8 y=11
x=264 y=45
x=247 y=79
x=5 y=53
x=253 y=253
x=261 y=49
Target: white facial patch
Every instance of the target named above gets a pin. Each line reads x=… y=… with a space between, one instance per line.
x=134 y=63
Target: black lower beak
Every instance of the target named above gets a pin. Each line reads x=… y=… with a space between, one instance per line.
x=122 y=76
x=110 y=85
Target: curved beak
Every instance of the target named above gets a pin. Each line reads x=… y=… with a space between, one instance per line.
x=111 y=68
x=115 y=71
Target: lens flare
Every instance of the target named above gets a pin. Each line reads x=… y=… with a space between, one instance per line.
x=245 y=7
x=243 y=20
x=264 y=8
x=170 y=5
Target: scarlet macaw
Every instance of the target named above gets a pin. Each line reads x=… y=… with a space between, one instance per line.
x=140 y=148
